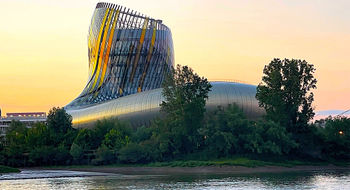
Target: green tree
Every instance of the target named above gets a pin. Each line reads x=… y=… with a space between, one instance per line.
x=42 y=155
x=85 y=139
x=285 y=93
x=133 y=153
x=15 y=135
x=59 y=124
x=83 y=146
x=37 y=136
x=185 y=95
x=104 y=155
x=160 y=145
x=142 y=133
x=101 y=128
x=116 y=139
x=225 y=131
x=77 y=152
x=59 y=120
x=16 y=146
x=337 y=138
x=62 y=155
x=104 y=126
x=274 y=139
x=2 y=151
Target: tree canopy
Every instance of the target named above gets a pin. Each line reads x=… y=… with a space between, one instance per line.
x=59 y=120
x=185 y=94
x=285 y=93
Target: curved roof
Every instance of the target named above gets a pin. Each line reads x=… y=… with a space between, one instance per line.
x=142 y=107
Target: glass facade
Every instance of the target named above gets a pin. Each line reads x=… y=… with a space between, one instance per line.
x=129 y=55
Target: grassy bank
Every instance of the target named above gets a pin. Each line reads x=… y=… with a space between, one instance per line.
x=246 y=162
x=6 y=169
x=241 y=161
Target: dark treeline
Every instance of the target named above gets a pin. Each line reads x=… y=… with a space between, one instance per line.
x=188 y=132
x=224 y=133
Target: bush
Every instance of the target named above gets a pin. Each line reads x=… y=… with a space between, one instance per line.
x=142 y=133
x=132 y=153
x=274 y=138
x=62 y=156
x=104 y=155
x=43 y=155
x=5 y=169
x=337 y=138
x=77 y=152
x=85 y=139
x=225 y=132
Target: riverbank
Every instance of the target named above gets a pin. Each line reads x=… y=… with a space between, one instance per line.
x=225 y=166
x=6 y=169
x=203 y=169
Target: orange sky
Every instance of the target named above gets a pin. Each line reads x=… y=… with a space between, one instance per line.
x=43 y=52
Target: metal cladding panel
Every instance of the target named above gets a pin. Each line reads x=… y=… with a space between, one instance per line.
x=142 y=107
x=125 y=48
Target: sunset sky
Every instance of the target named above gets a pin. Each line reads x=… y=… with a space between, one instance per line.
x=43 y=51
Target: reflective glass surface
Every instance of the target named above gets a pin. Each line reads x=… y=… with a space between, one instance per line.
x=128 y=53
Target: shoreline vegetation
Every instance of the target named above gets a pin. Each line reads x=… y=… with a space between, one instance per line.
x=221 y=166
x=241 y=161
x=6 y=169
x=143 y=170
x=190 y=137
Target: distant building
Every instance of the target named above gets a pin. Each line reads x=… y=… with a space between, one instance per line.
x=28 y=118
x=27 y=115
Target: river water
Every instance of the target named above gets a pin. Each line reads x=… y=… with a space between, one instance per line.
x=50 y=179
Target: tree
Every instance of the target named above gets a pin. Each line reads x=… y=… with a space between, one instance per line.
x=101 y=128
x=185 y=95
x=37 y=136
x=16 y=147
x=133 y=153
x=106 y=125
x=104 y=155
x=43 y=155
x=16 y=133
x=59 y=120
x=59 y=124
x=274 y=139
x=77 y=152
x=336 y=136
x=85 y=139
x=225 y=131
x=116 y=139
x=285 y=93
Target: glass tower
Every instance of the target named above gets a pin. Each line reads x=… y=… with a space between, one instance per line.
x=128 y=53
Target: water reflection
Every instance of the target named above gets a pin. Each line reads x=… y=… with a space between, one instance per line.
x=316 y=180
x=35 y=174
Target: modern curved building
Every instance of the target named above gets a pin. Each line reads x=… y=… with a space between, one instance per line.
x=129 y=55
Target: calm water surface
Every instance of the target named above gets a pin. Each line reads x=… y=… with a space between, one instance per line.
x=88 y=180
